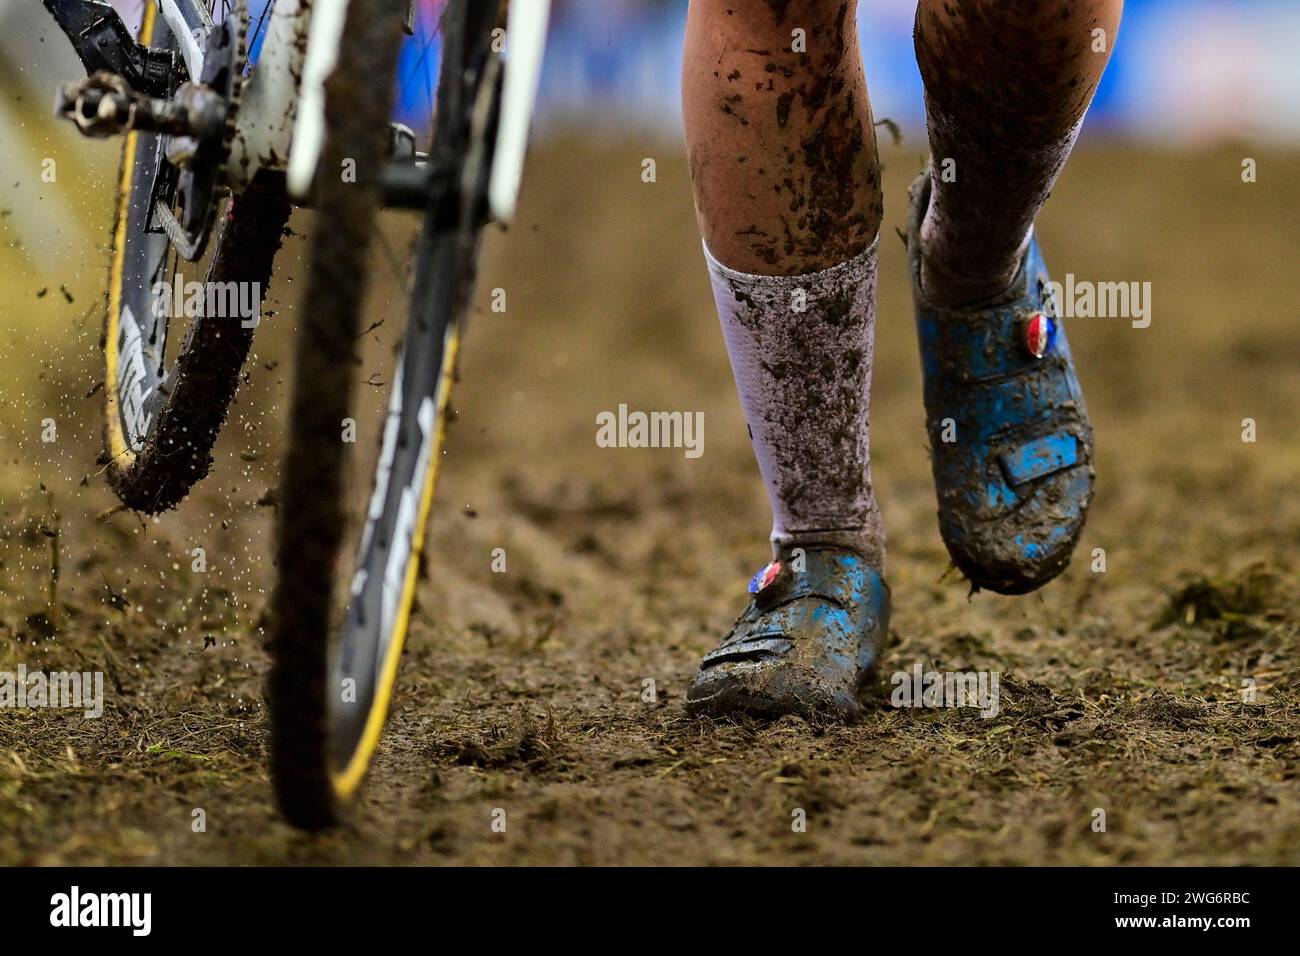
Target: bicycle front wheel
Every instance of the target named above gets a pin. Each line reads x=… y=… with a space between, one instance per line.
x=336 y=649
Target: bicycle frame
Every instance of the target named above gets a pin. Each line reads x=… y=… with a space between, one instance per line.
x=525 y=47
x=264 y=125
x=280 y=124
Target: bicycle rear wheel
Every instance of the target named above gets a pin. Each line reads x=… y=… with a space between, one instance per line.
x=333 y=668
x=161 y=422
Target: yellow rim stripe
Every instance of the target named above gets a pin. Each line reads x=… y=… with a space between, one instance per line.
x=346 y=781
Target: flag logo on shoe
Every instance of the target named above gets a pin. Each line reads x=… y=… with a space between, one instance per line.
x=765 y=577
x=1040 y=332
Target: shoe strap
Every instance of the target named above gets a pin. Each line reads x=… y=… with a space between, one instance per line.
x=1040 y=458
x=825 y=576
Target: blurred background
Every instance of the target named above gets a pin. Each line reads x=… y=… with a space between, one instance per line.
x=1184 y=73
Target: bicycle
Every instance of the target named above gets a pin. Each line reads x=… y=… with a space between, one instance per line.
x=278 y=112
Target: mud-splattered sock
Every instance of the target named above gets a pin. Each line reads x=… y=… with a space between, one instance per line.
x=980 y=220
x=801 y=349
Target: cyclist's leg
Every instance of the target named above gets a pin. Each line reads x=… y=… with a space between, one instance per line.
x=782 y=150
x=783 y=163
x=787 y=191
x=1006 y=85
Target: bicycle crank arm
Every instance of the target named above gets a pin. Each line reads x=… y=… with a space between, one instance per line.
x=103 y=43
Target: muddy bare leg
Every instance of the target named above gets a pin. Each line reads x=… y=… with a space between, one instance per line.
x=1007 y=83
x=779 y=133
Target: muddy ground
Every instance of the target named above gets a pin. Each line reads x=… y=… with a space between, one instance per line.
x=1122 y=690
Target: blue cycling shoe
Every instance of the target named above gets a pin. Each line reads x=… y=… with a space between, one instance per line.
x=1011 y=444
x=805 y=645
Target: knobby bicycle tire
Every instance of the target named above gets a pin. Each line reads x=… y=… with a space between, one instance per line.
x=159 y=431
x=319 y=748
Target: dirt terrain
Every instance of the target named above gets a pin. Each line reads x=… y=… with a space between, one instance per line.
x=526 y=691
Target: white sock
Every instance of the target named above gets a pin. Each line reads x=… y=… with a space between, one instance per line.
x=801 y=350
